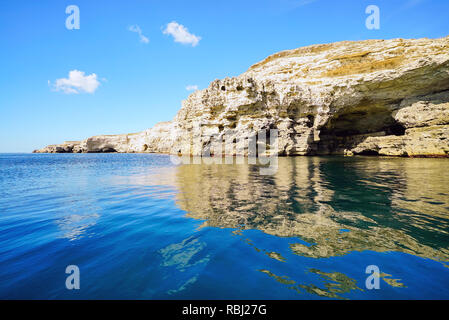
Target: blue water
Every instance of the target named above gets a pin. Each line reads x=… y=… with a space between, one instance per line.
x=140 y=227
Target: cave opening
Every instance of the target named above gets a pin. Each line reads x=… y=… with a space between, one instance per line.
x=311 y=120
x=344 y=131
x=369 y=153
x=396 y=129
x=108 y=150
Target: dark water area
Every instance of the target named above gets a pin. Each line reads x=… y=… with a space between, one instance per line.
x=140 y=227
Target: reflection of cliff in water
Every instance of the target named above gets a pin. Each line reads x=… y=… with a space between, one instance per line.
x=337 y=205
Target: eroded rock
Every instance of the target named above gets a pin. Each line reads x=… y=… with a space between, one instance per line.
x=387 y=97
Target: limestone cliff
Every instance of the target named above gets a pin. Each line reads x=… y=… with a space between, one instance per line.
x=385 y=97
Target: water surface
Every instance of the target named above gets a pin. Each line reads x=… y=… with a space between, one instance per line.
x=140 y=227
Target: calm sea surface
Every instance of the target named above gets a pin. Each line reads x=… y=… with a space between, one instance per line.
x=140 y=227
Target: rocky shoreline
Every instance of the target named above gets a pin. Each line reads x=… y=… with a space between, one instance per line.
x=373 y=97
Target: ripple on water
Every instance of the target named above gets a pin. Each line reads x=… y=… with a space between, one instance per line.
x=140 y=227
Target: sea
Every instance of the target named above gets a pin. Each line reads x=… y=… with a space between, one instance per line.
x=141 y=226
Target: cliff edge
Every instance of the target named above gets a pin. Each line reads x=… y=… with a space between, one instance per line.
x=375 y=97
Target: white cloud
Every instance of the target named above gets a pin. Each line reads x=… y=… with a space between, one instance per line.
x=135 y=28
x=181 y=34
x=77 y=82
x=192 y=87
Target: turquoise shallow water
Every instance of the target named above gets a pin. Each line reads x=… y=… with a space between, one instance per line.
x=140 y=227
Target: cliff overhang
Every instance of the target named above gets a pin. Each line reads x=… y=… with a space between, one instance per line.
x=373 y=97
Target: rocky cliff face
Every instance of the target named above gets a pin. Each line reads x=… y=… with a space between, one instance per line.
x=382 y=97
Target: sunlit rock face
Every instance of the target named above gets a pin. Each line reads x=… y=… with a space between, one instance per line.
x=385 y=97
x=375 y=204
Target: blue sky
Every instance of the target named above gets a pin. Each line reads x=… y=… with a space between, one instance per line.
x=143 y=82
